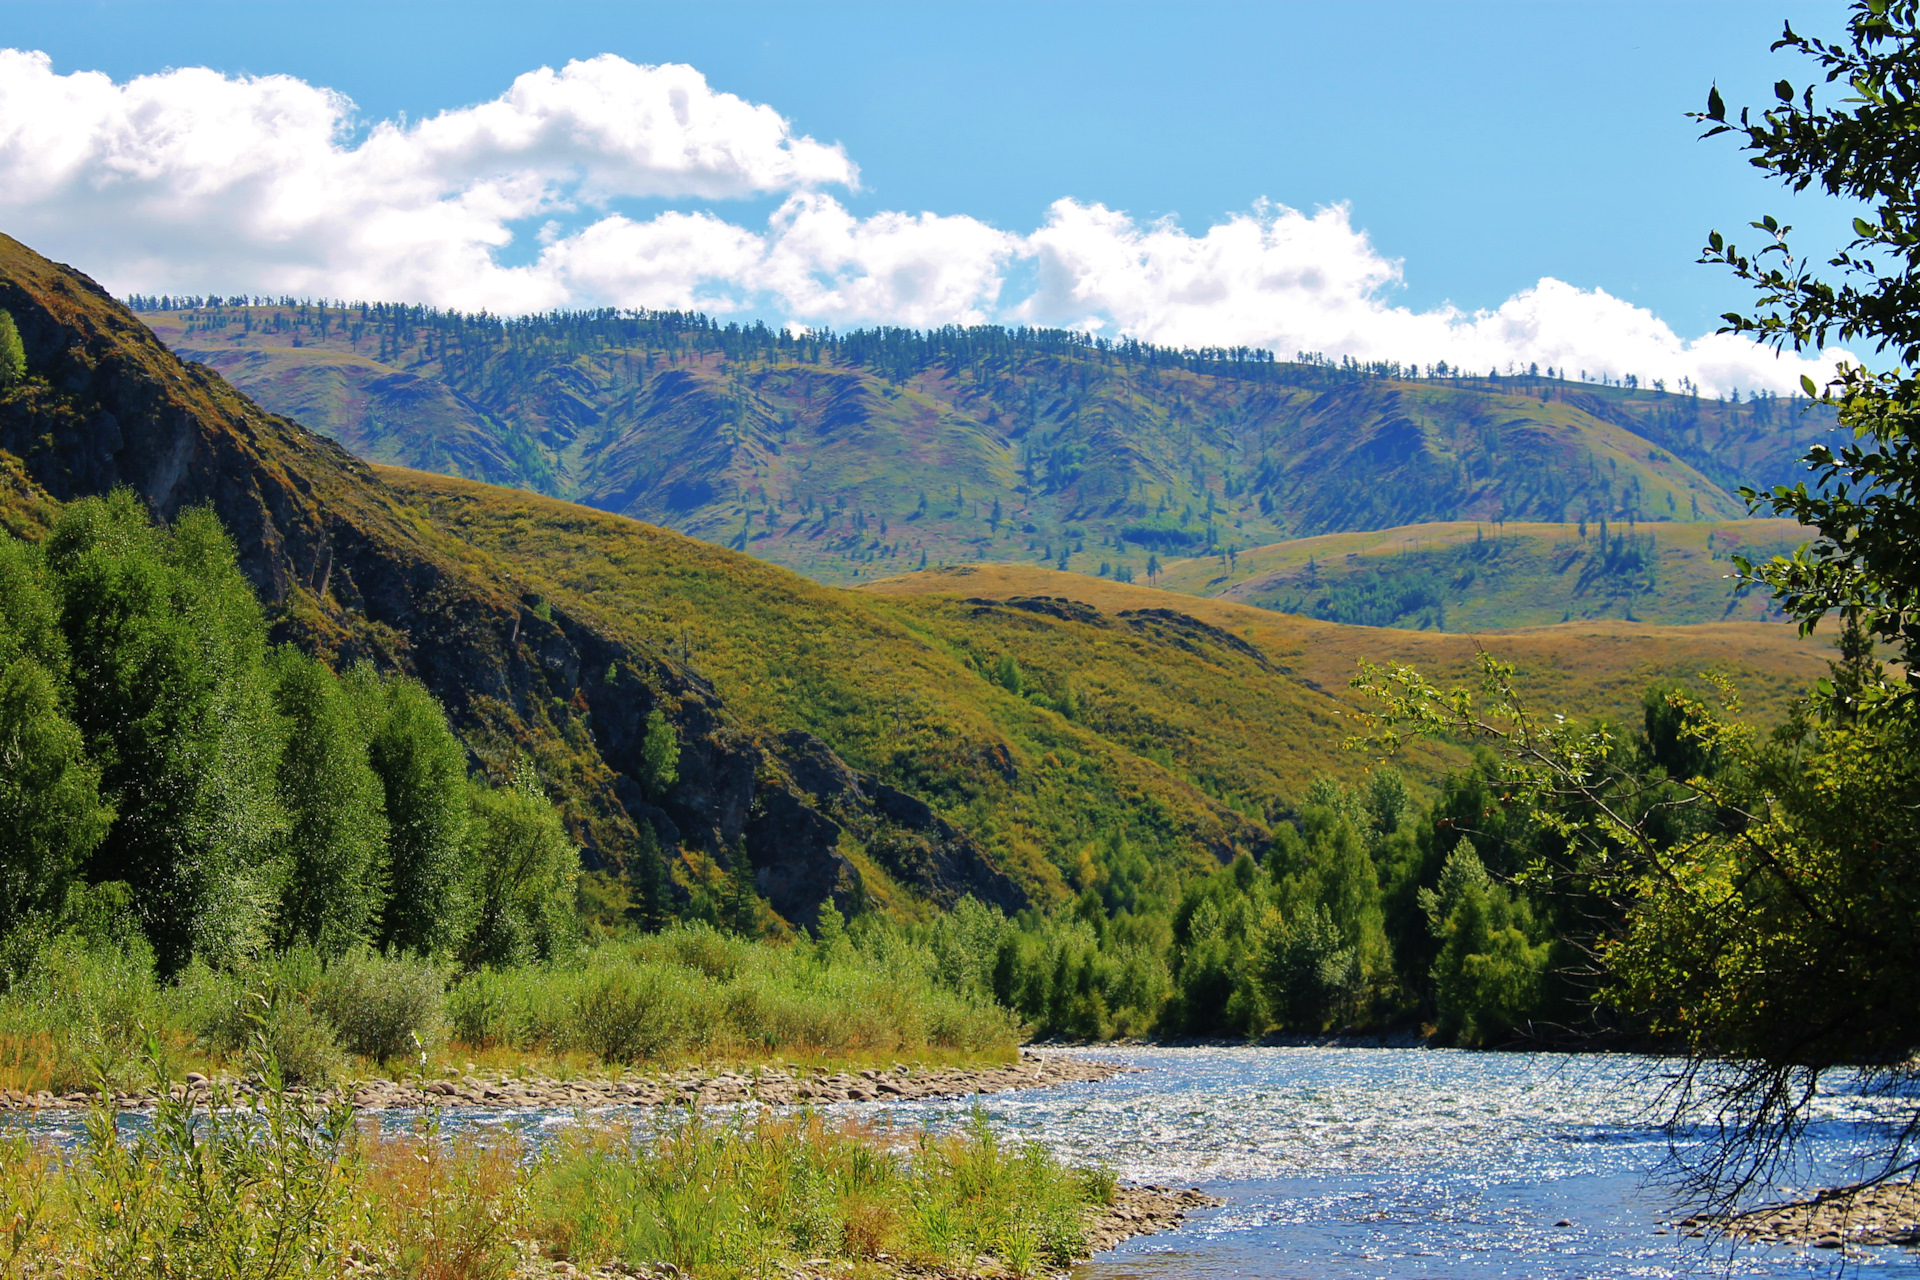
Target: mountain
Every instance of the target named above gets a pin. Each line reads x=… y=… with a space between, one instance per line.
x=850 y=457
x=1477 y=576
x=954 y=733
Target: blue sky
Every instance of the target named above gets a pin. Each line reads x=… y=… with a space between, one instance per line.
x=1482 y=147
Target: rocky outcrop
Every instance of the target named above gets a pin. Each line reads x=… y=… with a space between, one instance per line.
x=349 y=570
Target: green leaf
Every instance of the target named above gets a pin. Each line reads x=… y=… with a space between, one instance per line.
x=1806 y=384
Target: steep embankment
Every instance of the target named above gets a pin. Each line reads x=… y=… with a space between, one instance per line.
x=870 y=455
x=1475 y=576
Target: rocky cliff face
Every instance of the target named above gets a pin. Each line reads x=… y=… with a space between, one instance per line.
x=351 y=572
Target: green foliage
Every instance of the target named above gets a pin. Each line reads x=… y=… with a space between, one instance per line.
x=266 y=1185
x=243 y=797
x=743 y=1197
x=248 y=1188
x=520 y=873
x=659 y=755
x=336 y=837
x=690 y=990
x=1487 y=977
x=50 y=806
x=422 y=772
x=382 y=1007
x=168 y=685
x=13 y=356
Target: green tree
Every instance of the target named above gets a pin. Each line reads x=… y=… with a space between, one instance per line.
x=334 y=847
x=1487 y=977
x=50 y=806
x=168 y=687
x=13 y=356
x=422 y=773
x=520 y=875
x=659 y=755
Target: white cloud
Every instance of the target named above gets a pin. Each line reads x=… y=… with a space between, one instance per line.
x=191 y=181
x=1281 y=279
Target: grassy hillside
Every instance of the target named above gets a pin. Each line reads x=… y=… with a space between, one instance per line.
x=871 y=454
x=1044 y=711
x=1596 y=668
x=1477 y=576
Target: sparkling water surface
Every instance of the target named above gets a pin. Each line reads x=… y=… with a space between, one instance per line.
x=1349 y=1163
x=1344 y=1162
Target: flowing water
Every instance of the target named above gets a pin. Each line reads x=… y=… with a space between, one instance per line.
x=1347 y=1162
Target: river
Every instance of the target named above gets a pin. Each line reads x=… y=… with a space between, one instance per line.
x=1343 y=1162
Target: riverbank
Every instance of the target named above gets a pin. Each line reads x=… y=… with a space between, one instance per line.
x=691 y=1193
x=773 y=1086
x=1833 y=1219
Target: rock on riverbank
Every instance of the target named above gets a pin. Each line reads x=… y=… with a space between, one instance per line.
x=773 y=1086
x=1887 y=1214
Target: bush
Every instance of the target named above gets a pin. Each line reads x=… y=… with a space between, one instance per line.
x=268 y=1010
x=382 y=1007
x=77 y=1010
x=691 y=990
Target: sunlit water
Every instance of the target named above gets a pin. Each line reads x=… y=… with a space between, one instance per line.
x=1343 y=1162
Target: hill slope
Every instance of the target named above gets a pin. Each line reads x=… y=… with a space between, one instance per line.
x=865 y=455
x=1597 y=668
x=1462 y=576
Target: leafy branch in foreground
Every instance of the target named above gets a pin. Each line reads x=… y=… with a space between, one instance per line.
x=1750 y=902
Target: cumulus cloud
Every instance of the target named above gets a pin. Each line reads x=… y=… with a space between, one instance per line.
x=1292 y=282
x=193 y=181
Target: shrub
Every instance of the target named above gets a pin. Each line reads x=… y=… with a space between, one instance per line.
x=382 y=1007
x=267 y=1010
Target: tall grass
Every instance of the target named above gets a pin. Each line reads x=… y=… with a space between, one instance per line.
x=268 y=1187
x=742 y=1197
x=83 y=1009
